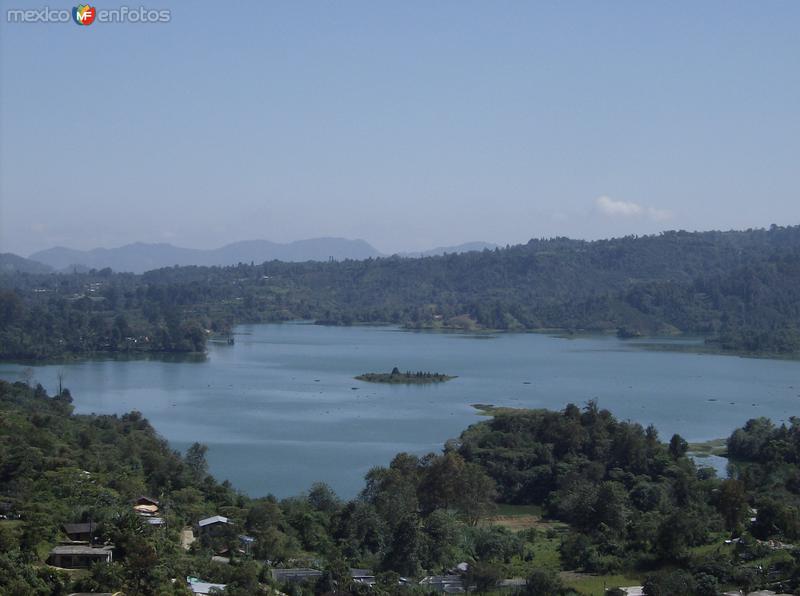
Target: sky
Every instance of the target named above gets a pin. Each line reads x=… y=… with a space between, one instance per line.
x=409 y=124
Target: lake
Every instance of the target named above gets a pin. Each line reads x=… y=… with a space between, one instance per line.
x=280 y=408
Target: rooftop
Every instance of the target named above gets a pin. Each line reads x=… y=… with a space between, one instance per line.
x=78 y=549
x=205 y=587
x=83 y=528
x=296 y=573
x=216 y=519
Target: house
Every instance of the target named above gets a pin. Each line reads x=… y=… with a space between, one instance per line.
x=213 y=526
x=449 y=584
x=155 y=521
x=7 y=510
x=296 y=575
x=247 y=542
x=202 y=588
x=146 y=501
x=363 y=576
x=80 y=532
x=75 y=556
x=146 y=506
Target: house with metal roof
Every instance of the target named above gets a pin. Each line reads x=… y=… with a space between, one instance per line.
x=202 y=588
x=215 y=519
x=76 y=556
x=449 y=584
x=80 y=532
x=296 y=575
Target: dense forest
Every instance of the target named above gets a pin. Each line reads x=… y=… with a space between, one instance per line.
x=739 y=289
x=567 y=501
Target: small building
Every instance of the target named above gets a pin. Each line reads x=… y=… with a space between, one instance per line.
x=146 y=506
x=146 y=501
x=449 y=584
x=80 y=532
x=296 y=575
x=513 y=584
x=213 y=526
x=155 y=521
x=74 y=556
x=363 y=576
x=7 y=510
x=202 y=588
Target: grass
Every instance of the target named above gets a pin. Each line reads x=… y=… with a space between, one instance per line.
x=522 y=517
x=518 y=510
x=491 y=410
x=712 y=447
x=595 y=585
x=545 y=550
x=545 y=553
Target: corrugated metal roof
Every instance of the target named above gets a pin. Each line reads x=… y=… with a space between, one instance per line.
x=217 y=519
x=205 y=587
x=82 y=528
x=77 y=549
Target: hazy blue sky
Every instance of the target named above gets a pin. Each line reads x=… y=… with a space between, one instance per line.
x=407 y=123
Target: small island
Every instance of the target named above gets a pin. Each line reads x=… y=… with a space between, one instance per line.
x=408 y=378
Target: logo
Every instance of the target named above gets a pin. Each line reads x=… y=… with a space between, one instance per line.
x=83 y=14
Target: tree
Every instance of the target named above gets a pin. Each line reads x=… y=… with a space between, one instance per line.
x=484 y=575
x=196 y=462
x=732 y=502
x=669 y=583
x=403 y=553
x=543 y=583
x=678 y=446
x=322 y=498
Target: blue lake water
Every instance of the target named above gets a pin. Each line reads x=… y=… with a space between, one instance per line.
x=280 y=408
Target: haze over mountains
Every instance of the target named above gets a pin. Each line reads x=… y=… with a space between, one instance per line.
x=140 y=257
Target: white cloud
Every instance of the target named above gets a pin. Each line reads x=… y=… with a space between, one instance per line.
x=619 y=208
x=658 y=214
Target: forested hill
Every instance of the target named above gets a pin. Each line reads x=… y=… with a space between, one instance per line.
x=618 y=503
x=741 y=289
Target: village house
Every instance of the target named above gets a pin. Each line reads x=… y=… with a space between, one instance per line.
x=83 y=532
x=155 y=521
x=296 y=575
x=213 y=526
x=75 y=556
x=145 y=506
x=201 y=588
x=449 y=584
x=247 y=542
x=363 y=576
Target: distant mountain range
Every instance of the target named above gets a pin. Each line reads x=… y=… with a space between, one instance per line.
x=140 y=257
x=11 y=263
